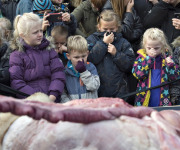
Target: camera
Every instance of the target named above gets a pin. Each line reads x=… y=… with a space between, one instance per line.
x=55 y=17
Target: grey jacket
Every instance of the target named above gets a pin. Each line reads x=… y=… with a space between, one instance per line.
x=81 y=85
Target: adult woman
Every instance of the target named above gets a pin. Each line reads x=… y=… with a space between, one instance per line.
x=86 y=15
x=161 y=16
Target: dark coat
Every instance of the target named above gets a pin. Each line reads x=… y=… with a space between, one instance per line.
x=9 y=9
x=85 y=15
x=4 y=70
x=24 y=6
x=142 y=8
x=112 y=70
x=37 y=69
x=161 y=17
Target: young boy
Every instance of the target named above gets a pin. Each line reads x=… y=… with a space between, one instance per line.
x=60 y=35
x=82 y=80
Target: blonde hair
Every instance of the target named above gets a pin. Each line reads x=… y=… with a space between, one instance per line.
x=156 y=34
x=108 y=15
x=6 y=25
x=77 y=43
x=22 y=26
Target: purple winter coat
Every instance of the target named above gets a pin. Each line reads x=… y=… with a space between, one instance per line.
x=37 y=69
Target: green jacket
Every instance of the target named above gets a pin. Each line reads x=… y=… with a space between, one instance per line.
x=86 y=18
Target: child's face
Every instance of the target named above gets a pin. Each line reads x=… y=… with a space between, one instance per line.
x=34 y=36
x=60 y=40
x=153 y=47
x=76 y=56
x=109 y=26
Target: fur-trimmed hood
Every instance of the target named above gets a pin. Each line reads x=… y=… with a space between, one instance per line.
x=176 y=42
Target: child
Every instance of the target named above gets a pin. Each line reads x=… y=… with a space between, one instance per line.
x=111 y=54
x=44 y=7
x=175 y=88
x=60 y=35
x=6 y=26
x=82 y=78
x=34 y=64
x=153 y=67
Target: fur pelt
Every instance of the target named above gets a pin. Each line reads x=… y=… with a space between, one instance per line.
x=6 y=119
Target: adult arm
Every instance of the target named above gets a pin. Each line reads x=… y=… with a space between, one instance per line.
x=157 y=15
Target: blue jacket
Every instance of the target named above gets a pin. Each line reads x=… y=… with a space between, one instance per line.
x=24 y=6
x=81 y=85
x=111 y=69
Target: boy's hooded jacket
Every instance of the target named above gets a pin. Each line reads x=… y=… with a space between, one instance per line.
x=81 y=85
x=142 y=71
x=37 y=69
x=112 y=70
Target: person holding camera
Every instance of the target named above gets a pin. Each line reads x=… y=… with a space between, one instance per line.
x=163 y=16
x=45 y=9
x=112 y=55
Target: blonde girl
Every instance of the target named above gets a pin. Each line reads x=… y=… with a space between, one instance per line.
x=153 y=67
x=34 y=64
x=111 y=54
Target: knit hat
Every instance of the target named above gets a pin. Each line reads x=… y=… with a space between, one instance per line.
x=42 y=5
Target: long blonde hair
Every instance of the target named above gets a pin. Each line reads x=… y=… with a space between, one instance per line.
x=22 y=26
x=156 y=34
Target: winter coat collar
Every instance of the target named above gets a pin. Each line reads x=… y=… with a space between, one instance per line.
x=44 y=44
x=101 y=34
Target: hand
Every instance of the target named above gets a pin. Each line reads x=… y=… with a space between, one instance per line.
x=80 y=67
x=169 y=60
x=112 y=49
x=45 y=22
x=176 y=23
x=57 y=1
x=52 y=98
x=108 y=38
x=66 y=17
x=154 y=1
x=61 y=49
x=130 y=6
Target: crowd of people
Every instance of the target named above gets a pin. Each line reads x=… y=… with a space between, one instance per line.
x=96 y=48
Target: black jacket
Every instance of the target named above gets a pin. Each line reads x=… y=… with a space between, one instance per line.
x=4 y=70
x=112 y=70
x=9 y=9
x=161 y=17
x=142 y=8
